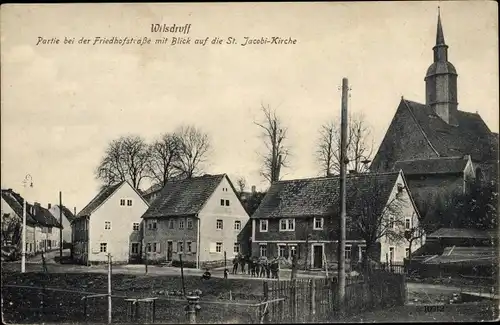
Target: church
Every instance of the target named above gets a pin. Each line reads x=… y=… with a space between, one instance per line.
x=436 y=144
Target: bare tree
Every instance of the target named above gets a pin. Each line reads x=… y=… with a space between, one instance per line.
x=125 y=158
x=194 y=149
x=414 y=232
x=11 y=230
x=359 y=145
x=375 y=219
x=277 y=153
x=242 y=183
x=164 y=154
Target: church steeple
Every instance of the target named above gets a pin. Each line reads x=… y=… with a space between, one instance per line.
x=441 y=80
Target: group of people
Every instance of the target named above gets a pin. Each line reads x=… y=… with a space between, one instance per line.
x=256 y=266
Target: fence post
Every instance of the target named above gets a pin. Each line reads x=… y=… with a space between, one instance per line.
x=192 y=308
x=312 y=296
x=264 y=309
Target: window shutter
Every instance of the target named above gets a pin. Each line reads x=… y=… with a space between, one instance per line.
x=174 y=247
x=212 y=247
x=193 y=247
x=158 y=247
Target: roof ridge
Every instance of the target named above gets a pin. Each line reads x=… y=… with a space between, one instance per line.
x=433 y=158
x=322 y=178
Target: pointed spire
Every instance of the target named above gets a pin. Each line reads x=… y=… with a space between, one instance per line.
x=439 y=34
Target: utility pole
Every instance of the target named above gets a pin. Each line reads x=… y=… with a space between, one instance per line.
x=342 y=220
x=109 y=288
x=60 y=229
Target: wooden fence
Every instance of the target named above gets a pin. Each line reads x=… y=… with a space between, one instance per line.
x=314 y=300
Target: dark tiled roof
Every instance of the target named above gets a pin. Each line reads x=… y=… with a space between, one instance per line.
x=471 y=137
x=43 y=216
x=184 y=197
x=443 y=165
x=15 y=201
x=102 y=196
x=320 y=196
x=67 y=213
x=475 y=255
x=460 y=233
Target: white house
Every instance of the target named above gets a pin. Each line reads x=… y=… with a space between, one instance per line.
x=200 y=217
x=67 y=217
x=109 y=223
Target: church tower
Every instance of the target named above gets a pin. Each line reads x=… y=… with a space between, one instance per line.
x=441 y=81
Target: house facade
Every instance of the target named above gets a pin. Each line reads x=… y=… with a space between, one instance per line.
x=42 y=229
x=300 y=217
x=198 y=217
x=109 y=224
x=438 y=129
x=67 y=217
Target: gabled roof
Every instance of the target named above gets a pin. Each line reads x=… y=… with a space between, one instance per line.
x=472 y=255
x=442 y=165
x=67 y=213
x=315 y=197
x=471 y=137
x=35 y=214
x=15 y=201
x=462 y=233
x=184 y=197
x=99 y=199
x=43 y=216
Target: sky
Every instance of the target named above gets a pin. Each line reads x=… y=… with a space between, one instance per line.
x=62 y=104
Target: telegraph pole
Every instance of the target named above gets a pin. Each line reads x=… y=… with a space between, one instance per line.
x=342 y=220
x=60 y=229
x=27 y=179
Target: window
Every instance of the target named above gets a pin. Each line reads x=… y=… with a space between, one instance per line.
x=129 y=202
x=122 y=202
x=263 y=250
x=293 y=250
x=263 y=226
x=391 y=254
x=103 y=248
x=407 y=252
x=148 y=246
x=181 y=224
x=318 y=223
x=156 y=247
x=237 y=225
x=107 y=225
x=188 y=246
x=227 y=203
x=392 y=224
x=135 y=226
x=362 y=252
x=135 y=248
x=219 y=224
x=190 y=223
x=152 y=224
x=407 y=224
x=281 y=250
x=49 y=230
x=287 y=224
x=236 y=248
x=400 y=188
x=180 y=247
x=171 y=224
x=222 y=202
x=218 y=247
x=348 y=252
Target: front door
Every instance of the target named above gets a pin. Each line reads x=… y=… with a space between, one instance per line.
x=169 y=250
x=318 y=256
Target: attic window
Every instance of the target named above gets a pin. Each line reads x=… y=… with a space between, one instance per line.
x=400 y=188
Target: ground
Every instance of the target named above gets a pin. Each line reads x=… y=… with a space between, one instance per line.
x=24 y=304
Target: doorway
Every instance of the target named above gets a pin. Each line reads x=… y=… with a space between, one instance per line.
x=170 y=247
x=318 y=256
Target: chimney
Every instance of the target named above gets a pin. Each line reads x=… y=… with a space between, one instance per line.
x=49 y=206
x=466 y=157
x=36 y=204
x=74 y=209
x=253 y=188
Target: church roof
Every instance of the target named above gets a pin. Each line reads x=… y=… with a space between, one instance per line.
x=442 y=165
x=470 y=137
